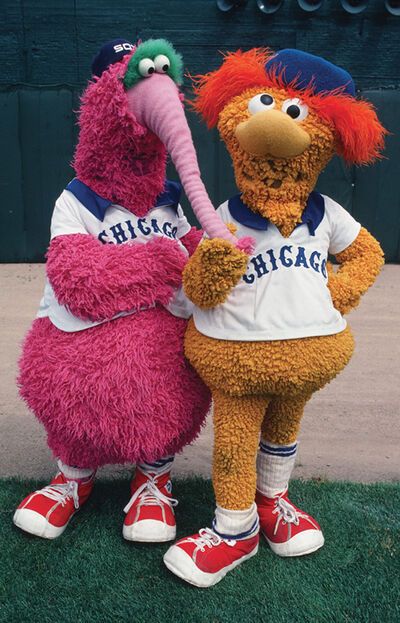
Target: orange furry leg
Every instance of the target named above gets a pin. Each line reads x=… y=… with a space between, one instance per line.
x=237 y=423
x=282 y=419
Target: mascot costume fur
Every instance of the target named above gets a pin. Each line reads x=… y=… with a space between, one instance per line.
x=267 y=330
x=103 y=366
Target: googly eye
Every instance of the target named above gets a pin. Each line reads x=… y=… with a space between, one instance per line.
x=260 y=102
x=146 y=67
x=295 y=108
x=161 y=63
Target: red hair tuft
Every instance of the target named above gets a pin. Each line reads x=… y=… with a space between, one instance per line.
x=239 y=71
x=360 y=134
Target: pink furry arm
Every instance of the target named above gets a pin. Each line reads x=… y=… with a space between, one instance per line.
x=97 y=281
x=192 y=239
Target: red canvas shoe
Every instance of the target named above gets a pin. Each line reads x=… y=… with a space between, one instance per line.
x=288 y=530
x=205 y=558
x=47 y=512
x=149 y=513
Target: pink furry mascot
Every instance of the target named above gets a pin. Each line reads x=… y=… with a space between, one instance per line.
x=103 y=366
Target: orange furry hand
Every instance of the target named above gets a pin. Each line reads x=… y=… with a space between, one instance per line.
x=341 y=291
x=212 y=271
x=360 y=264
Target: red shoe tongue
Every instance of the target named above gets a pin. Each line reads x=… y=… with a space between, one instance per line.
x=141 y=478
x=263 y=500
x=162 y=480
x=59 y=479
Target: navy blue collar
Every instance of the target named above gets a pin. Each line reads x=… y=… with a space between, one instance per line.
x=312 y=215
x=98 y=205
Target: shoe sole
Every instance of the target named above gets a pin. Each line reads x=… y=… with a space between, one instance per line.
x=149 y=531
x=299 y=545
x=181 y=564
x=33 y=523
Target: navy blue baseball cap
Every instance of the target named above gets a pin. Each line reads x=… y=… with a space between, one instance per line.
x=309 y=70
x=110 y=53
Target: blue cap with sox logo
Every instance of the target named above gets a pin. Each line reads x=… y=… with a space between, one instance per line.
x=110 y=53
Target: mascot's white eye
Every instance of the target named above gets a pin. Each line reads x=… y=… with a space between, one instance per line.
x=260 y=102
x=161 y=63
x=295 y=109
x=146 y=67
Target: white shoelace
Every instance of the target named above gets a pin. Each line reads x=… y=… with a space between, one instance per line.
x=208 y=538
x=288 y=514
x=61 y=493
x=150 y=495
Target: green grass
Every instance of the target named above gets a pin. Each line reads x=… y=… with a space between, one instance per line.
x=90 y=574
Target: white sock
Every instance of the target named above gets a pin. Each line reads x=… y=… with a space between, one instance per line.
x=160 y=467
x=274 y=466
x=236 y=525
x=74 y=473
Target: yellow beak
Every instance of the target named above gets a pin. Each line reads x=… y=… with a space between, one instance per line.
x=272 y=132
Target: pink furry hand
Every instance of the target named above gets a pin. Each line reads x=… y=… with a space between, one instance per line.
x=98 y=281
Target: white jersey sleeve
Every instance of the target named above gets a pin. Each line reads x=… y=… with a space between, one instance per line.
x=67 y=217
x=181 y=306
x=344 y=229
x=183 y=225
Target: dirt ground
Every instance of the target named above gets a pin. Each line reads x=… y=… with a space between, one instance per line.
x=350 y=429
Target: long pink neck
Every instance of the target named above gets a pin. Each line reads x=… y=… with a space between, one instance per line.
x=155 y=103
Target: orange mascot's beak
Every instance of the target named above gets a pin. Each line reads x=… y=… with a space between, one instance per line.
x=272 y=132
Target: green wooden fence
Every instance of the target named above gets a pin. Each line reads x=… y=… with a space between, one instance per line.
x=45 y=54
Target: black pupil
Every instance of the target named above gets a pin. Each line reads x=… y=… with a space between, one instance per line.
x=150 y=70
x=293 y=111
x=165 y=67
x=266 y=99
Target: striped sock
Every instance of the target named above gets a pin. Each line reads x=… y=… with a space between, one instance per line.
x=160 y=467
x=236 y=525
x=274 y=467
x=75 y=473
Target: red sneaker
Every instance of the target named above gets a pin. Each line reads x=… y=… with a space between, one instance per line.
x=150 y=517
x=205 y=558
x=288 y=530
x=47 y=512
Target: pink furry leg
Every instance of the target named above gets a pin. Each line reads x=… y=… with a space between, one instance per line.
x=118 y=392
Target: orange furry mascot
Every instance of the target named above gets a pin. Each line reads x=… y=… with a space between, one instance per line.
x=268 y=329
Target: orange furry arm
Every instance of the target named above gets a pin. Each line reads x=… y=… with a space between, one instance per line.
x=360 y=264
x=213 y=270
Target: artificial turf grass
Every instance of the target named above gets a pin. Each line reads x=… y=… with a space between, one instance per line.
x=90 y=574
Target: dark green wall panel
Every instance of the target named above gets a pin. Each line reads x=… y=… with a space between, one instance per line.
x=45 y=53
x=38 y=138
x=377 y=191
x=12 y=225
x=53 y=41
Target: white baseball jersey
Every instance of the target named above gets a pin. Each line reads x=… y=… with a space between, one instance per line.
x=79 y=210
x=283 y=294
